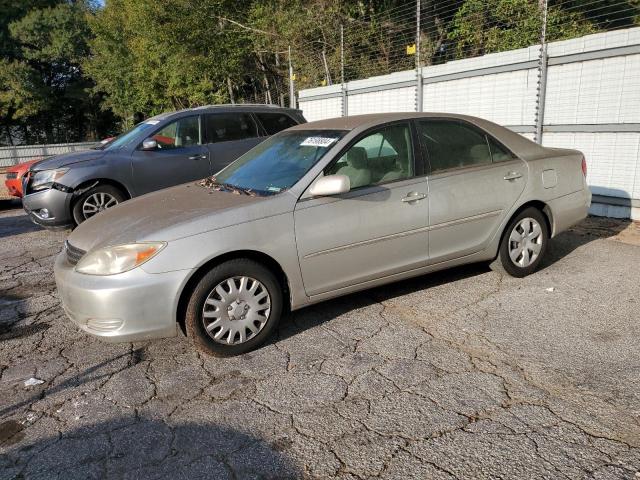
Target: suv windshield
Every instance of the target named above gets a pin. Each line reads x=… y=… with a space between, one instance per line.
x=126 y=137
x=277 y=163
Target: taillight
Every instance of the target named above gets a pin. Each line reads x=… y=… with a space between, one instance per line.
x=584 y=167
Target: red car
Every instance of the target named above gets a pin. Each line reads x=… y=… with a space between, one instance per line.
x=15 y=174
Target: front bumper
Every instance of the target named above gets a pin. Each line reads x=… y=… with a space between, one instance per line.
x=56 y=202
x=127 y=307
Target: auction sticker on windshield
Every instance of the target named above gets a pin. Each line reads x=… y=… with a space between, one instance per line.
x=317 y=142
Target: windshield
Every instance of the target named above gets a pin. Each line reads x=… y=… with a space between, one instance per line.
x=278 y=163
x=126 y=137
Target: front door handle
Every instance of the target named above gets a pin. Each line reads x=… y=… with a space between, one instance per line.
x=414 y=197
x=198 y=157
x=512 y=176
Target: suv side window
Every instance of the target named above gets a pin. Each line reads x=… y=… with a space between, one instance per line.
x=184 y=132
x=452 y=144
x=224 y=127
x=275 y=122
x=380 y=157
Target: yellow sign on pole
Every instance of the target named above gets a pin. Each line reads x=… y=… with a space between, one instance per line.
x=411 y=49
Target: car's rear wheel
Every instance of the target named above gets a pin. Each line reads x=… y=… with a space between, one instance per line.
x=96 y=200
x=234 y=308
x=524 y=243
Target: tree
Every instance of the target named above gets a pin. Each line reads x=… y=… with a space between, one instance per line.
x=148 y=61
x=43 y=92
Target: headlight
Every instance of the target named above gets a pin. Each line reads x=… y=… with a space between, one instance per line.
x=119 y=259
x=44 y=179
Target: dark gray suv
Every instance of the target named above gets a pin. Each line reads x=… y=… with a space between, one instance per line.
x=163 y=151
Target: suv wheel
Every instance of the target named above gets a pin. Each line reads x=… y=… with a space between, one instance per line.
x=234 y=308
x=95 y=200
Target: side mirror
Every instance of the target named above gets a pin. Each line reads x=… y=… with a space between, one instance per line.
x=149 y=144
x=330 y=185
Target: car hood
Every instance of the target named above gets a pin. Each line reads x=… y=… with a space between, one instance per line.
x=67 y=159
x=174 y=213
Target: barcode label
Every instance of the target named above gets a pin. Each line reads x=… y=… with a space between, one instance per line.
x=317 y=142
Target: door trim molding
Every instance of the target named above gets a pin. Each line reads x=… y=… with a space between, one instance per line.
x=407 y=233
x=493 y=213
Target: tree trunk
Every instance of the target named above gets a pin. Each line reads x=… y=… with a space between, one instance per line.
x=230 y=88
x=8 y=130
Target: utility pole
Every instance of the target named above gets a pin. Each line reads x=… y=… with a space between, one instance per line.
x=292 y=88
x=345 y=106
x=418 y=67
x=542 y=72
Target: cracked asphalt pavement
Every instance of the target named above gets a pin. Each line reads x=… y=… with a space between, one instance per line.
x=460 y=374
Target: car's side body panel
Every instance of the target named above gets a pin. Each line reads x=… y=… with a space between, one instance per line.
x=467 y=205
x=362 y=235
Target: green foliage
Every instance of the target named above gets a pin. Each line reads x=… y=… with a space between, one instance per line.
x=19 y=95
x=486 y=26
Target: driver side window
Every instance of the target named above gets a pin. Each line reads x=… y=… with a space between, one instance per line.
x=380 y=157
x=184 y=132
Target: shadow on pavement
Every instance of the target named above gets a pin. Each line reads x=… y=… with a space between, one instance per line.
x=16 y=225
x=131 y=447
x=590 y=229
x=13 y=204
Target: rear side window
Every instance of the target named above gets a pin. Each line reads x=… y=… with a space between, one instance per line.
x=453 y=145
x=498 y=152
x=224 y=127
x=275 y=122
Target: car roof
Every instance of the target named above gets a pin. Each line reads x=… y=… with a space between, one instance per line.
x=520 y=145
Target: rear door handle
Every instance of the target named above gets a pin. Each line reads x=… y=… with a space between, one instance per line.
x=512 y=176
x=414 y=197
x=198 y=157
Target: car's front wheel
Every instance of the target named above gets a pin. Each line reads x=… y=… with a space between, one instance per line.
x=95 y=200
x=234 y=308
x=524 y=243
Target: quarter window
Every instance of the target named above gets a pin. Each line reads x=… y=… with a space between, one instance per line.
x=381 y=157
x=499 y=153
x=453 y=145
x=184 y=132
x=275 y=122
x=224 y=127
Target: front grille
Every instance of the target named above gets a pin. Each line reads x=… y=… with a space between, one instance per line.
x=74 y=254
x=12 y=175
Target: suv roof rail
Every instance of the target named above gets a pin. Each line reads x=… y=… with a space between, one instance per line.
x=267 y=105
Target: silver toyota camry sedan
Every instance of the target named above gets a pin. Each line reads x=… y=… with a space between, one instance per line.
x=317 y=211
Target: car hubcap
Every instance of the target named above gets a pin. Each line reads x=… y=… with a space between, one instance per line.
x=236 y=310
x=525 y=242
x=96 y=203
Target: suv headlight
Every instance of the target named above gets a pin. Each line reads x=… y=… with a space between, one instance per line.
x=118 y=259
x=46 y=178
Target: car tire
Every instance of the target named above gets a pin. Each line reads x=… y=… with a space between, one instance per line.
x=223 y=321
x=524 y=243
x=99 y=198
